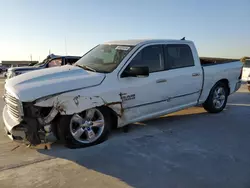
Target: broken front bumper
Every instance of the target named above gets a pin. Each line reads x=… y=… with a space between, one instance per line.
x=26 y=131
x=14 y=129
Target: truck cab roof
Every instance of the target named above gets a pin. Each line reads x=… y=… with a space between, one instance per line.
x=135 y=42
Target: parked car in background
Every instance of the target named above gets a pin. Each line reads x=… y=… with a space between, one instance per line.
x=3 y=69
x=246 y=73
x=50 y=61
x=31 y=64
x=113 y=85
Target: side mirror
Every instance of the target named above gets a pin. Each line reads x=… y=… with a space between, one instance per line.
x=136 y=72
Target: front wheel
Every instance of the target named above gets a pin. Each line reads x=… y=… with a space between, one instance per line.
x=83 y=129
x=217 y=98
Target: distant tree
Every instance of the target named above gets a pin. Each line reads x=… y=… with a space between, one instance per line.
x=243 y=59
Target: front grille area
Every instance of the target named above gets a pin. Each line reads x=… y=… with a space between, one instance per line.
x=14 y=106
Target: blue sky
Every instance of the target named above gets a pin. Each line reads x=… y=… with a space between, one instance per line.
x=218 y=27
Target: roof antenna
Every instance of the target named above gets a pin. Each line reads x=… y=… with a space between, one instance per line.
x=183 y=38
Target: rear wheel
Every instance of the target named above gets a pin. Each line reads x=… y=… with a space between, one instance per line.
x=217 y=98
x=88 y=128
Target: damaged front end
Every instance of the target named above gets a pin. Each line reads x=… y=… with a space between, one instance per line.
x=37 y=122
x=28 y=123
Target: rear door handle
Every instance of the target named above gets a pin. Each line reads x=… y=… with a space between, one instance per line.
x=196 y=74
x=161 y=81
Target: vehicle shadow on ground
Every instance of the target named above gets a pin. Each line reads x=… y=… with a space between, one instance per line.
x=166 y=151
x=118 y=156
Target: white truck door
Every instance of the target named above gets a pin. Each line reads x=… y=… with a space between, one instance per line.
x=143 y=96
x=184 y=78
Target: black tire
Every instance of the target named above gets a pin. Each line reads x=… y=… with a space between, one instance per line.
x=248 y=88
x=66 y=138
x=209 y=106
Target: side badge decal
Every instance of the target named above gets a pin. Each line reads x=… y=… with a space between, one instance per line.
x=128 y=97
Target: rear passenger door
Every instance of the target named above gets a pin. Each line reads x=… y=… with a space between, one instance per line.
x=184 y=79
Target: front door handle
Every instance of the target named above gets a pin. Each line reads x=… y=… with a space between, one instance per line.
x=196 y=74
x=161 y=81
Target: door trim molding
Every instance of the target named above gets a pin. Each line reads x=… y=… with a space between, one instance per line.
x=168 y=99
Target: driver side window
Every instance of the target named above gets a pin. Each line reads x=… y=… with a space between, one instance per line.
x=150 y=56
x=55 y=63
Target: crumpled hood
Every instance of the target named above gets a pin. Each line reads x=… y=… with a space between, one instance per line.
x=36 y=84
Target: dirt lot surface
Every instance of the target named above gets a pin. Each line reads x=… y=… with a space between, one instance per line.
x=190 y=148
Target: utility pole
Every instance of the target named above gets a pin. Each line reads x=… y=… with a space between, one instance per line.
x=65 y=45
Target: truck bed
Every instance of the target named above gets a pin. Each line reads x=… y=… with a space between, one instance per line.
x=226 y=70
x=207 y=61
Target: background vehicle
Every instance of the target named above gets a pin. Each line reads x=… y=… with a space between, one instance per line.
x=113 y=85
x=246 y=73
x=3 y=69
x=50 y=61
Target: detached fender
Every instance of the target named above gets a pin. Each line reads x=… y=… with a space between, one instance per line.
x=68 y=105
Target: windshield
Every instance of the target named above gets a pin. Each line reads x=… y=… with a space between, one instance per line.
x=247 y=64
x=104 y=58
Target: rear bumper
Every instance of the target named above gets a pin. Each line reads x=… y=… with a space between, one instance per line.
x=13 y=128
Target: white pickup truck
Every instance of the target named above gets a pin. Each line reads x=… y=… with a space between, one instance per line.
x=246 y=73
x=114 y=84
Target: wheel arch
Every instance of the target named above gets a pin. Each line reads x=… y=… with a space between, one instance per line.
x=224 y=81
x=208 y=104
x=205 y=93
x=113 y=116
x=59 y=127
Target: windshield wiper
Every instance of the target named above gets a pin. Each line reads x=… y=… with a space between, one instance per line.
x=86 y=67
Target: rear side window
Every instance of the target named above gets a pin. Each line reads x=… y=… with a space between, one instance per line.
x=178 y=56
x=150 y=56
